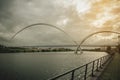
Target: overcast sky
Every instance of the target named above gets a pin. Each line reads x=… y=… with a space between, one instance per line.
x=78 y=18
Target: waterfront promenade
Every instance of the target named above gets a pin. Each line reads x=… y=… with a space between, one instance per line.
x=112 y=71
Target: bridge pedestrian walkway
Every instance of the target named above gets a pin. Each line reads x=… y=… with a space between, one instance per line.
x=112 y=72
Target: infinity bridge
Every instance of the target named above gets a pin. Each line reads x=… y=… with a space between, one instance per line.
x=74 y=41
x=89 y=69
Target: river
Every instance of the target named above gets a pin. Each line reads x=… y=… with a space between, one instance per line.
x=41 y=66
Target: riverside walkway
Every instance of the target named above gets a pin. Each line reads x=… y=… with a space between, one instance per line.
x=112 y=71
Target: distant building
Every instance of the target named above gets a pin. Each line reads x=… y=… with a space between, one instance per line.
x=2 y=46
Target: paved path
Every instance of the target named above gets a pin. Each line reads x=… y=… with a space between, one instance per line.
x=112 y=72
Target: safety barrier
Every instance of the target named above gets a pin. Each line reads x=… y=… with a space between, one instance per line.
x=83 y=72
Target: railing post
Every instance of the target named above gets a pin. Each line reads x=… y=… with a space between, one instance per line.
x=97 y=64
x=72 y=77
x=100 y=62
x=93 y=68
x=85 y=71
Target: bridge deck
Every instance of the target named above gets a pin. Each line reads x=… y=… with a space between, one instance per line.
x=112 y=72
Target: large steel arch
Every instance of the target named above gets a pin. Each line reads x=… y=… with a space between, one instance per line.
x=79 y=46
x=50 y=25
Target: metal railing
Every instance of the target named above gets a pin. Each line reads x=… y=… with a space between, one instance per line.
x=83 y=72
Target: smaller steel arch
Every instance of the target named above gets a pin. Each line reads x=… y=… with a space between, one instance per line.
x=50 y=25
x=79 y=46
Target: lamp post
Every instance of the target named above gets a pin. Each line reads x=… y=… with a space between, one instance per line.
x=118 y=43
x=118 y=39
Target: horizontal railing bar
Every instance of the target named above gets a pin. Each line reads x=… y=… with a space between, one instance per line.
x=61 y=75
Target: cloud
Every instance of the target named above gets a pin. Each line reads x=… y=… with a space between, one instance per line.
x=75 y=17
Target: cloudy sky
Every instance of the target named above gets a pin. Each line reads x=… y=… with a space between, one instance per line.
x=78 y=18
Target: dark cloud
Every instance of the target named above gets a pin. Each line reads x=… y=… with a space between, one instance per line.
x=4 y=4
x=6 y=16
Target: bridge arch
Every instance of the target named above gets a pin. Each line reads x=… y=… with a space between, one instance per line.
x=79 y=46
x=50 y=25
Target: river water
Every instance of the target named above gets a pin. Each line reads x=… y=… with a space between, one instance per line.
x=41 y=66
